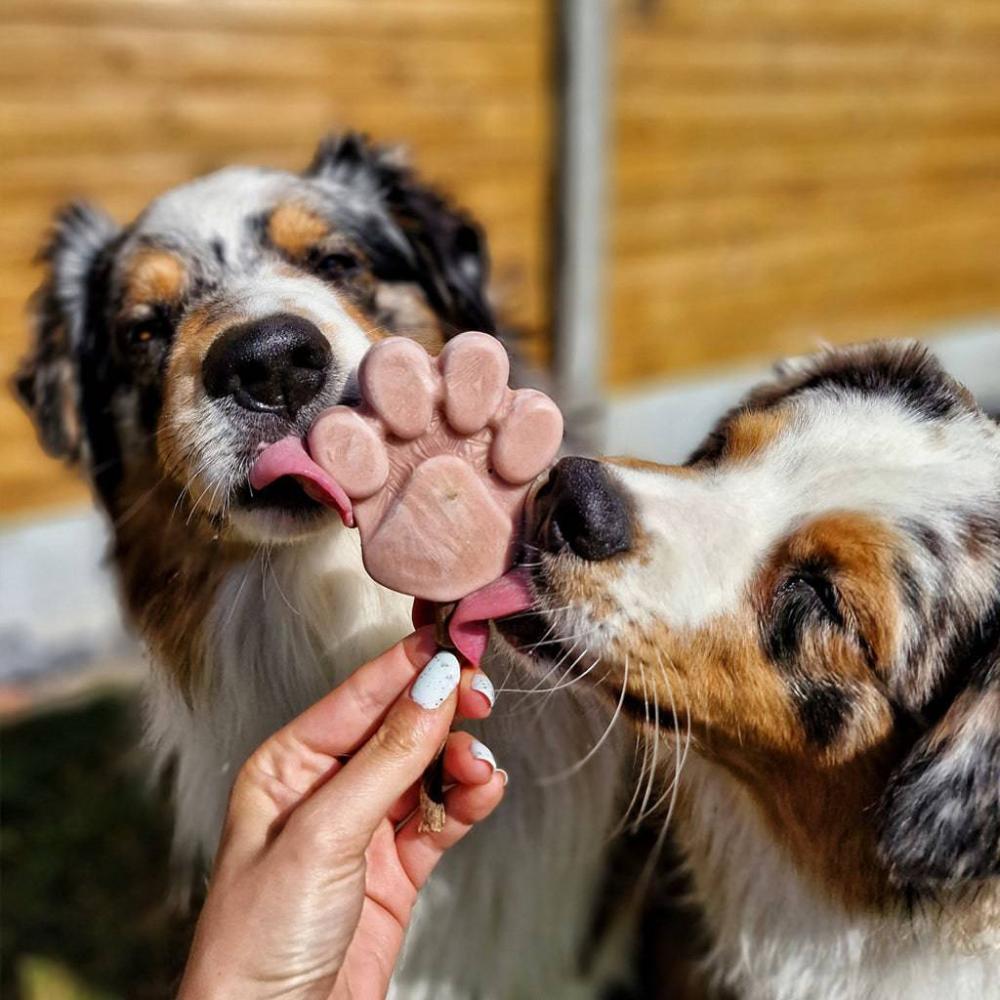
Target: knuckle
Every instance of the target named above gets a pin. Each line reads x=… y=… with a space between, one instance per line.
x=396 y=739
x=248 y=778
x=367 y=702
x=305 y=839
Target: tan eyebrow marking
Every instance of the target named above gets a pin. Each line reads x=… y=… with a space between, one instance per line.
x=154 y=276
x=751 y=432
x=295 y=229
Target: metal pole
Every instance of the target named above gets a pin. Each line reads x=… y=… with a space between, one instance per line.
x=584 y=27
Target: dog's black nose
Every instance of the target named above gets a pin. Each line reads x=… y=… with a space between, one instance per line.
x=276 y=364
x=581 y=506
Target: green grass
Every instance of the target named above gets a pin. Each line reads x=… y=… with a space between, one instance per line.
x=85 y=861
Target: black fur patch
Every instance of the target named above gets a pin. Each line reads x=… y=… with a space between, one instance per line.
x=981 y=535
x=909 y=585
x=909 y=373
x=436 y=245
x=806 y=597
x=70 y=368
x=941 y=826
x=823 y=707
x=930 y=539
x=99 y=377
x=965 y=662
x=714 y=446
x=940 y=815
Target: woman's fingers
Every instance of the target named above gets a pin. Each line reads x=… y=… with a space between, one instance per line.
x=341 y=721
x=300 y=758
x=338 y=723
x=346 y=811
x=465 y=805
x=467 y=761
x=476 y=695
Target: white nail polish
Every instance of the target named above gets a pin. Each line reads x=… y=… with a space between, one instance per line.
x=482 y=752
x=504 y=775
x=481 y=683
x=436 y=681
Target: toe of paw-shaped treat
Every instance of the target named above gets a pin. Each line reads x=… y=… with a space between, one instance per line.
x=437 y=462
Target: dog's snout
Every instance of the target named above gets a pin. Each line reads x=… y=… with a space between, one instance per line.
x=276 y=364
x=580 y=506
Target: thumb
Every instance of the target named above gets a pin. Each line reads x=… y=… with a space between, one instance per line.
x=350 y=806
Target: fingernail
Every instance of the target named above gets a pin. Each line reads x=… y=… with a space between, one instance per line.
x=437 y=680
x=503 y=774
x=481 y=683
x=482 y=752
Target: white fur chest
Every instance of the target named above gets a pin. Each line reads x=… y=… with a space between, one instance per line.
x=777 y=938
x=285 y=628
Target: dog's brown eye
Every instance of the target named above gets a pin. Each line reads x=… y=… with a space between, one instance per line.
x=339 y=264
x=143 y=333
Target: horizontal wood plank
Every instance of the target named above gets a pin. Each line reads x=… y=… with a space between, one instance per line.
x=787 y=171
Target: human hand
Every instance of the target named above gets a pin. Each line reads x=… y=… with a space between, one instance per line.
x=320 y=860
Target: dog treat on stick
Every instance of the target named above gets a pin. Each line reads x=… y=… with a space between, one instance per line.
x=442 y=613
x=433 y=468
x=432 y=811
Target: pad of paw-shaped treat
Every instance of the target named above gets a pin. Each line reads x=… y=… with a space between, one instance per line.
x=436 y=462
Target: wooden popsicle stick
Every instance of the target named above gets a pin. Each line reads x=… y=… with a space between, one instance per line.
x=432 y=811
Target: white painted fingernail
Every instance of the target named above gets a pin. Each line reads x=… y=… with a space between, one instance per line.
x=437 y=680
x=482 y=752
x=504 y=775
x=481 y=683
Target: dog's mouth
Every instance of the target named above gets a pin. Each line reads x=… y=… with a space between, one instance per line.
x=284 y=477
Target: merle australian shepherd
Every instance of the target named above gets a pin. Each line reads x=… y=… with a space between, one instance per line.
x=805 y=621
x=167 y=352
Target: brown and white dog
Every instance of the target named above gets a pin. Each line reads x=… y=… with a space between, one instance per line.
x=226 y=316
x=811 y=605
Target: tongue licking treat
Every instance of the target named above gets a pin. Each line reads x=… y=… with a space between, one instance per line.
x=288 y=457
x=468 y=626
x=436 y=462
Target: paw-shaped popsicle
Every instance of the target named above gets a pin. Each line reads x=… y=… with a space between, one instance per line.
x=437 y=461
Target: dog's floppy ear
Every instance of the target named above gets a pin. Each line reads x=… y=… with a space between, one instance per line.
x=940 y=818
x=48 y=380
x=440 y=246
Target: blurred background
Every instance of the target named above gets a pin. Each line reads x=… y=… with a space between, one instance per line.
x=676 y=192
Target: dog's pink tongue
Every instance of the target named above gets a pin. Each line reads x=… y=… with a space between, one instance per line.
x=469 y=624
x=288 y=457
